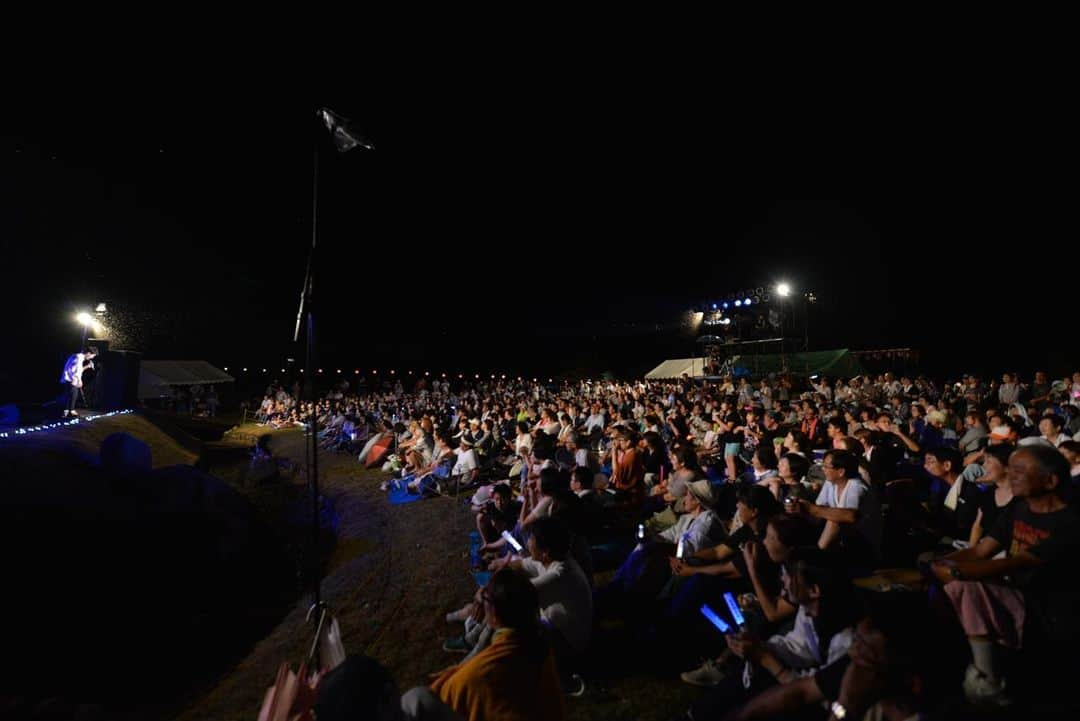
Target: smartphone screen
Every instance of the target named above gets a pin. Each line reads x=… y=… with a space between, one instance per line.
x=512 y=541
x=716 y=620
x=733 y=606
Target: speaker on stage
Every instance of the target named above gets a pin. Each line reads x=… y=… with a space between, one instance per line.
x=116 y=384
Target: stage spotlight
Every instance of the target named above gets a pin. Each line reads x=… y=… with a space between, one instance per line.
x=714 y=306
x=738 y=303
x=89 y=322
x=725 y=305
x=783 y=290
x=746 y=302
x=100 y=308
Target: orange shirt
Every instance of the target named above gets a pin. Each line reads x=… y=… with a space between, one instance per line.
x=629 y=473
x=502 y=683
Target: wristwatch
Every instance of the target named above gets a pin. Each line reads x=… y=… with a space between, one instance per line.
x=838 y=710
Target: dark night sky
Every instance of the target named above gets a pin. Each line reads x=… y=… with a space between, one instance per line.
x=487 y=212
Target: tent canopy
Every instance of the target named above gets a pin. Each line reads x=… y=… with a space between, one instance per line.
x=155 y=377
x=674 y=368
x=838 y=363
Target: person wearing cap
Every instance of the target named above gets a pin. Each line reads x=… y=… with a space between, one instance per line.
x=696 y=526
x=646 y=570
x=754 y=507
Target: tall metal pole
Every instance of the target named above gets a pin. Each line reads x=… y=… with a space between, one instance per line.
x=309 y=290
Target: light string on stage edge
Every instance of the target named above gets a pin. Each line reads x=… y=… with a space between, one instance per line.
x=61 y=424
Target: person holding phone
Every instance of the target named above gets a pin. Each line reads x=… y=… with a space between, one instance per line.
x=647 y=569
x=822 y=634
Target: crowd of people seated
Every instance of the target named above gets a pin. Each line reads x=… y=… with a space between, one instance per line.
x=639 y=506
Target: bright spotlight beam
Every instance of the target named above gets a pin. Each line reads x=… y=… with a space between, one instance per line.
x=783 y=290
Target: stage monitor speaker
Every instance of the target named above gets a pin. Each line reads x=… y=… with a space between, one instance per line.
x=116 y=385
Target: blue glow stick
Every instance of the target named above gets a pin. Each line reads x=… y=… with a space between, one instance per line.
x=733 y=606
x=716 y=620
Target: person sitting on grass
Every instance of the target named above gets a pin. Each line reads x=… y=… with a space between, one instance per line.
x=645 y=571
x=849 y=509
x=444 y=454
x=498 y=513
x=997 y=501
x=823 y=632
x=514 y=677
x=884 y=676
x=1041 y=540
x=768 y=605
x=790 y=480
x=564 y=593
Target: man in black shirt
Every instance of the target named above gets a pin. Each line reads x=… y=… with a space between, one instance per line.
x=773 y=429
x=996 y=598
x=497 y=514
x=953 y=507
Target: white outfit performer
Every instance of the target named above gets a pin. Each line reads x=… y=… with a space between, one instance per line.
x=76 y=364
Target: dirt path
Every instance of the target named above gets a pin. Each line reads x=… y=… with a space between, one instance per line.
x=395 y=573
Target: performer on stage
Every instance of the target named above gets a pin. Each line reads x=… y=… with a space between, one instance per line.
x=73 y=372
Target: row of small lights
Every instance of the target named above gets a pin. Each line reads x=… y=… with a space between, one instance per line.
x=61 y=424
x=375 y=372
x=782 y=289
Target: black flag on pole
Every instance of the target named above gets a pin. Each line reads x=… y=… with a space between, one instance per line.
x=345 y=135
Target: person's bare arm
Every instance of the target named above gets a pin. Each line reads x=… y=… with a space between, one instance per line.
x=722 y=570
x=980 y=567
x=719 y=552
x=911 y=445
x=975 y=457
x=987 y=547
x=774 y=608
x=774 y=702
x=976 y=530
x=829 y=535
x=825 y=513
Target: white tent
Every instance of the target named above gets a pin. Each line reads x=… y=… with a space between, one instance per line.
x=676 y=367
x=157 y=377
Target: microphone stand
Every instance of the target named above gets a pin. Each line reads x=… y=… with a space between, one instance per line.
x=307 y=305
